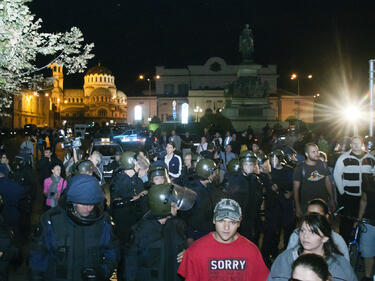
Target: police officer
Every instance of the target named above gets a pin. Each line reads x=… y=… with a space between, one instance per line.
x=200 y=216
x=114 y=164
x=8 y=251
x=233 y=166
x=271 y=211
x=75 y=241
x=128 y=203
x=282 y=177
x=13 y=195
x=159 y=237
x=158 y=174
x=250 y=194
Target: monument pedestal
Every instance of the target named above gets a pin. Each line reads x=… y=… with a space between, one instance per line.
x=247 y=97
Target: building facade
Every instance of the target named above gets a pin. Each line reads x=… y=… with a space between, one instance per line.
x=215 y=73
x=141 y=109
x=99 y=101
x=32 y=107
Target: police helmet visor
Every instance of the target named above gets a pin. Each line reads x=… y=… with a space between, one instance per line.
x=183 y=197
x=95 y=215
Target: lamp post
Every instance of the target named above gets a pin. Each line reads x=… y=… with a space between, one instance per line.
x=371 y=88
x=197 y=109
x=149 y=80
x=294 y=76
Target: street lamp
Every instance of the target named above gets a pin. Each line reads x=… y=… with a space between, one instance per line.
x=197 y=109
x=294 y=76
x=149 y=80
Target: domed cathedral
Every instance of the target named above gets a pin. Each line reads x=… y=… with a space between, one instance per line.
x=99 y=101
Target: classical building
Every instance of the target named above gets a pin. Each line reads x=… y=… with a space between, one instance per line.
x=32 y=107
x=215 y=73
x=99 y=101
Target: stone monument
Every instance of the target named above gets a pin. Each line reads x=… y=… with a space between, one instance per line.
x=247 y=96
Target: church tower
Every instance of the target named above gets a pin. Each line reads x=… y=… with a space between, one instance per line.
x=58 y=76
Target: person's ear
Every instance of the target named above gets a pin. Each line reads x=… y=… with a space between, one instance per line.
x=325 y=239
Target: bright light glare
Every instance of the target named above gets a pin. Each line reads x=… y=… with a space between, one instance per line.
x=351 y=114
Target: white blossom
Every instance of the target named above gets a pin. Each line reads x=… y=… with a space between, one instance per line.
x=22 y=45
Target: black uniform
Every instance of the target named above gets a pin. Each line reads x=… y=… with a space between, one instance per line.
x=285 y=217
x=153 y=252
x=8 y=249
x=251 y=207
x=200 y=216
x=62 y=250
x=187 y=175
x=126 y=213
x=272 y=213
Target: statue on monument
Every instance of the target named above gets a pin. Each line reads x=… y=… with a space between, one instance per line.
x=246 y=44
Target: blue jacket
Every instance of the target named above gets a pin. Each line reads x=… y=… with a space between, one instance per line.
x=174 y=166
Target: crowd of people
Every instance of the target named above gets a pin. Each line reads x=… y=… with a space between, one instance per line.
x=238 y=207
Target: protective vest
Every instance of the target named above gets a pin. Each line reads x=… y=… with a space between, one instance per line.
x=74 y=247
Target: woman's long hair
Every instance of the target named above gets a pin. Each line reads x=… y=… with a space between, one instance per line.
x=319 y=225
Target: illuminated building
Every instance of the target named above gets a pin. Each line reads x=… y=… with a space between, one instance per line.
x=99 y=101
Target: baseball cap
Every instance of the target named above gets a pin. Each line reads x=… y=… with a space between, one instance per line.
x=227 y=209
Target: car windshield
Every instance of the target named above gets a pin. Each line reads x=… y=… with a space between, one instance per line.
x=107 y=150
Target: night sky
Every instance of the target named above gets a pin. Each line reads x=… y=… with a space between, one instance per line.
x=332 y=40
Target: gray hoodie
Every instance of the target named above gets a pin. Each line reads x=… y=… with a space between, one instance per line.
x=338 y=266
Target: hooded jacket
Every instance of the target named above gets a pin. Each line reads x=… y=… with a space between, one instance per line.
x=338 y=266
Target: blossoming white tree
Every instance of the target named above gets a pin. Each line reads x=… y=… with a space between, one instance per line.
x=22 y=44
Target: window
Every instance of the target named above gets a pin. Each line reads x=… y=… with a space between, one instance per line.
x=169 y=89
x=138 y=113
x=102 y=113
x=209 y=101
x=100 y=79
x=183 y=89
x=296 y=102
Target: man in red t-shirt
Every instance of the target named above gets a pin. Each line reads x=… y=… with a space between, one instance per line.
x=224 y=254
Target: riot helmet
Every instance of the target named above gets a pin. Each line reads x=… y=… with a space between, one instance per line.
x=205 y=168
x=233 y=165
x=277 y=157
x=161 y=196
x=248 y=156
x=262 y=158
x=158 y=171
x=195 y=158
x=84 y=192
x=248 y=162
x=128 y=160
x=85 y=167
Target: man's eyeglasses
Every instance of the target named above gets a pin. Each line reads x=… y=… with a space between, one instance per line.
x=294 y=279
